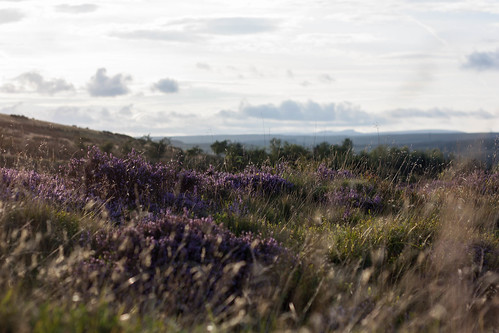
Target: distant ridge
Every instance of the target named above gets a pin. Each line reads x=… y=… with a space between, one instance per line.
x=482 y=146
x=333 y=137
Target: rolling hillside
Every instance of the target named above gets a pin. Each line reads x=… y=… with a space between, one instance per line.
x=42 y=143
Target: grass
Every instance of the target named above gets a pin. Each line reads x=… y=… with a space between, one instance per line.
x=356 y=253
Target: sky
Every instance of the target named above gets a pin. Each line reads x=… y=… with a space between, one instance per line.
x=187 y=67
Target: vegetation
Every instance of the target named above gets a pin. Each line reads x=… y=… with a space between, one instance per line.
x=248 y=240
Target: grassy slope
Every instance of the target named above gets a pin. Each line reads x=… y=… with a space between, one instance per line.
x=37 y=144
x=20 y=135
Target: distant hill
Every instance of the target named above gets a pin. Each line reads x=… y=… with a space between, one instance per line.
x=482 y=146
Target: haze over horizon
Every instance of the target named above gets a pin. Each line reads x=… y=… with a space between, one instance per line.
x=225 y=67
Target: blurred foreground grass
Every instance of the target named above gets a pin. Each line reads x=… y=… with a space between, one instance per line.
x=122 y=245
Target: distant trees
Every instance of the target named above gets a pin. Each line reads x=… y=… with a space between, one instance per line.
x=236 y=156
x=401 y=163
x=339 y=152
x=154 y=150
x=404 y=163
x=219 y=147
x=194 y=151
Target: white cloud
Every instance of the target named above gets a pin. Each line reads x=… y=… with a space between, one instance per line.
x=72 y=115
x=126 y=110
x=322 y=39
x=33 y=82
x=200 y=29
x=443 y=113
x=10 y=16
x=237 y=25
x=203 y=65
x=11 y=109
x=158 y=35
x=101 y=85
x=76 y=9
x=225 y=25
x=326 y=78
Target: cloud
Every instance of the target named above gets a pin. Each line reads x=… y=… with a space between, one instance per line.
x=236 y=25
x=10 y=16
x=204 y=66
x=225 y=25
x=482 y=61
x=439 y=113
x=126 y=110
x=182 y=115
x=333 y=39
x=11 y=109
x=76 y=9
x=166 y=86
x=72 y=115
x=102 y=85
x=414 y=56
x=158 y=35
x=339 y=113
x=199 y=29
x=98 y=117
x=326 y=78
x=33 y=82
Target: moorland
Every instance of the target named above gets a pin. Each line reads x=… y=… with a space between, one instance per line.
x=106 y=232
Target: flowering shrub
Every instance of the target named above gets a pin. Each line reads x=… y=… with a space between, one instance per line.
x=160 y=254
x=324 y=173
x=348 y=241
x=20 y=185
x=251 y=180
x=364 y=197
x=131 y=183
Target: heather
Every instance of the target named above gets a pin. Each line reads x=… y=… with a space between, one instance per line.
x=251 y=240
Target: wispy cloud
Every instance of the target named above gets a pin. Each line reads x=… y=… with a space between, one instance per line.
x=126 y=110
x=441 y=113
x=482 y=61
x=11 y=109
x=77 y=9
x=72 y=115
x=322 y=39
x=203 y=66
x=10 y=16
x=237 y=25
x=158 y=35
x=33 y=82
x=326 y=78
x=225 y=25
x=101 y=85
x=199 y=29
